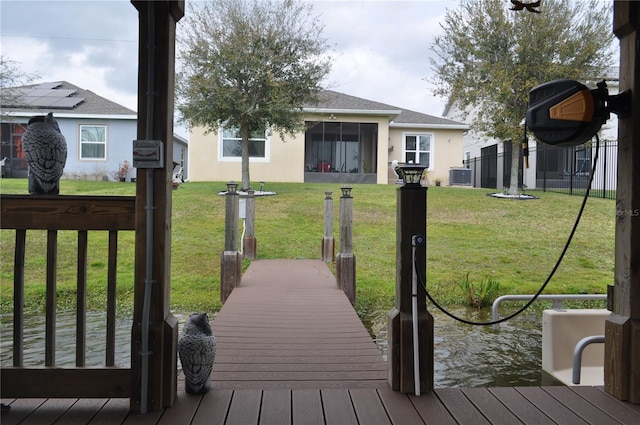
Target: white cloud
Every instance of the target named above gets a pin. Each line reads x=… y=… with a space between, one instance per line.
x=30 y=54
x=382 y=50
x=381 y=47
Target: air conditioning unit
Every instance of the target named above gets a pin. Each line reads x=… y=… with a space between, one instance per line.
x=460 y=177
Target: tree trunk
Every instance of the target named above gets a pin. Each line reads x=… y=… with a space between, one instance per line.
x=246 y=181
x=515 y=168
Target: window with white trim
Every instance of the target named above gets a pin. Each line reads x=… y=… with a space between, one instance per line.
x=417 y=149
x=93 y=142
x=231 y=144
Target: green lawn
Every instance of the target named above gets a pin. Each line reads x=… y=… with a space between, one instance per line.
x=513 y=242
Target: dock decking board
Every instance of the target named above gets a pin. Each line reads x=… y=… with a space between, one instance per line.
x=526 y=412
x=302 y=356
x=289 y=323
x=340 y=406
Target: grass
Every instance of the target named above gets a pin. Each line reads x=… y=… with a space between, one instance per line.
x=469 y=234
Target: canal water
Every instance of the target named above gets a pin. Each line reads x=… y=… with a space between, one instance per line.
x=479 y=356
x=469 y=356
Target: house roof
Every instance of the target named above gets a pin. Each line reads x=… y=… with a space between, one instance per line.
x=61 y=98
x=410 y=118
x=335 y=102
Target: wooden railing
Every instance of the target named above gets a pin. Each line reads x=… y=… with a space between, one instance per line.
x=82 y=214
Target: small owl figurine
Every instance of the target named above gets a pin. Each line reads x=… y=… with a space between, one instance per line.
x=197 y=350
x=45 y=150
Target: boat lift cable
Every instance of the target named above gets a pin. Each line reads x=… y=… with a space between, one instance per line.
x=423 y=286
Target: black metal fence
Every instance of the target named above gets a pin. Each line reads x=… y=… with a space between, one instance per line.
x=553 y=169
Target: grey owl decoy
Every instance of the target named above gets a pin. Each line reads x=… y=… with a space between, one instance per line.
x=45 y=149
x=197 y=350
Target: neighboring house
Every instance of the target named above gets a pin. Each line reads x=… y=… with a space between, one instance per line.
x=549 y=166
x=99 y=132
x=348 y=140
x=488 y=158
x=181 y=155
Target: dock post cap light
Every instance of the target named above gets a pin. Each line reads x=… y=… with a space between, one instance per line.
x=411 y=174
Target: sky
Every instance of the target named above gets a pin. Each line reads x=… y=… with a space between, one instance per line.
x=380 y=48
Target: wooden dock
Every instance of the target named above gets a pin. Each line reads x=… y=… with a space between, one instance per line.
x=291 y=350
x=287 y=326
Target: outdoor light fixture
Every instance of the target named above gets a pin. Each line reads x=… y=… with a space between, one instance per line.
x=411 y=174
x=327 y=195
x=346 y=191
x=232 y=186
x=568 y=113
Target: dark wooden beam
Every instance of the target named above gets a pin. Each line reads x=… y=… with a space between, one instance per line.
x=67 y=212
x=80 y=382
x=622 y=329
x=159 y=34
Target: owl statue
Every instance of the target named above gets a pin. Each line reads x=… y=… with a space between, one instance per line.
x=46 y=152
x=197 y=350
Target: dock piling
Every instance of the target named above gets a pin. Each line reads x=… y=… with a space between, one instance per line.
x=249 y=241
x=230 y=259
x=346 y=260
x=411 y=220
x=328 y=244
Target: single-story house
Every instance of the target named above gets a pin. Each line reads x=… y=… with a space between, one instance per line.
x=99 y=132
x=347 y=140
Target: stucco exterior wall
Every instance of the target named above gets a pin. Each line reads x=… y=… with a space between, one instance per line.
x=284 y=161
x=285 y=158
x=446 y=151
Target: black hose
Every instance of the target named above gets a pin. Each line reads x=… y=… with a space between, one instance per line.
x=423 y=285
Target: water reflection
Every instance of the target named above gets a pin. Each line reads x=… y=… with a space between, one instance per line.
x=34 y=345
x=478 y=356
x=469 y=356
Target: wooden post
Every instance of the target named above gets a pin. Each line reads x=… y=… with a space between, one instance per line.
x=346 y=260
x=410 y=220
x=231 y=215
x=249 y=241
x=328 y=244
x=622 y=328
x=163 y=326
x=230 y=259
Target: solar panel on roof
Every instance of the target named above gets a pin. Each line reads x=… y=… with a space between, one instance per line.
x=39 y=92
x=67 y=102
x=62 y=93
x=48 y=86
x=47 y=96
x=39 y=102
